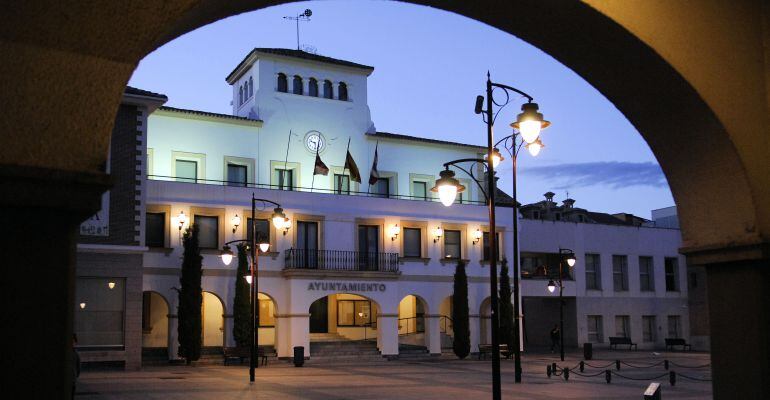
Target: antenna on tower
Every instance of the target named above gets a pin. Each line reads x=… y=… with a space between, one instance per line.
x=304 y=16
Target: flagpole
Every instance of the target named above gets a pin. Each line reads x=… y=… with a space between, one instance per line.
x=346 y=163
x=317 y=147
x=285 y=161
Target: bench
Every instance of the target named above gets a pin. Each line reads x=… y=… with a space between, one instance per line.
x=671 y=342
x=485 y=349
x=616 y=340
x=242 y=353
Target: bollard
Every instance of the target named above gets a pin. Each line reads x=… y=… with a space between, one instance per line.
x=652 y=392
x=548 y=370
x=617 y=365
x=672 y=378
x=665 y=365
x=566 y=374
x=582 y=364
x=553 y=368
x=608 y=375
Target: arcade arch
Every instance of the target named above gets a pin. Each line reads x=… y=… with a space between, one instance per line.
x=412 y=322
x=155 y=327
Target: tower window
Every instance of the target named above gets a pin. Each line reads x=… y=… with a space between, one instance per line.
x=313 y=87
x=240 y=95
x=342 y=92
x=283 y=84
x=297 y=85
x=328 y=92
x=251 y=87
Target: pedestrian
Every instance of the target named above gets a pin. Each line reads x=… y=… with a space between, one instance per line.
x=555 y=334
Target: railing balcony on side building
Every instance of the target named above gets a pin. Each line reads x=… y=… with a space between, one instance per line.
x=340 y=260
x=344 y=192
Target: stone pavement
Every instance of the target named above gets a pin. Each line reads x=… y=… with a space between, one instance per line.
x=443 y=378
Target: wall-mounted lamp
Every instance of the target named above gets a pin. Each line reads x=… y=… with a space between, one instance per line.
x=181 y=219
x=111 y=285
x=82 y=305
x=437 y=233
x=394 y=231
x=286 y=226
x=477 y=236
x=236 y=221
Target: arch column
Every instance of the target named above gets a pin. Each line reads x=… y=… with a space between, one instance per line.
x=387 y=335
x=227 y=325
x=433 y=333
x=474 y=322
x=292 y=330
x=173 y=337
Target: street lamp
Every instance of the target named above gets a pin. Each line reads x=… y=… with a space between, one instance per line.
x=279 y=219
x=528 y=124
x=568 y=256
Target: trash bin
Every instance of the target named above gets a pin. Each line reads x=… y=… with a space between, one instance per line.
x=588 y=351
x=299 y=356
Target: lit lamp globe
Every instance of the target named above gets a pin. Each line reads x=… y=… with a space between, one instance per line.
x=551 y=286
x=571 y=259
x=227 y=255
x=447 y=187
x=530 y=122
x=535 y=147
x=248 y=278
x=264 y=247
x=496 y=157
x=279 y=218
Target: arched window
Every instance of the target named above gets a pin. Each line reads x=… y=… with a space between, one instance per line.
x=328 y=92
x=283 y=84
x=240 y=95
x=251 y=87
x=297 y=86
x=313 y=87
x=342 y=92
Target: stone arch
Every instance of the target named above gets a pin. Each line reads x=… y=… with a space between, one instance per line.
x=413 y=311
x=155 y=311
x=485 y=321
x=268 y=329
x=345 y=314
x=213 y=320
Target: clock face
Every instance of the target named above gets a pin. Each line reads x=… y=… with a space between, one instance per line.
x=314 y=142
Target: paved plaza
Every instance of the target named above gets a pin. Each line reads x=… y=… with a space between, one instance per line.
x=443 y=378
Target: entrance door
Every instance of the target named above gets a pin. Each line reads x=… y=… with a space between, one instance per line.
x=368 y=247
x=319 y=316
x=307 y=244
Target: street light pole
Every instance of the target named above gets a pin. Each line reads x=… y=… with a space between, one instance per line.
x=569 y=256
x=516 y=313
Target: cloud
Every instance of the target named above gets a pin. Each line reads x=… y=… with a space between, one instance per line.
x=614 y=174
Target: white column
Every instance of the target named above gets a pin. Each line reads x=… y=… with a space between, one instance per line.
x=228 y=333
x=433 y=333
x=475 y=327
x=292 y=330
x=173 y=337
x=387 y=334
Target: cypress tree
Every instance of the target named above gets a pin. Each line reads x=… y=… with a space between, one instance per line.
x=460 y=322
x=506 y=307
x=242 y=301
x=190 y=298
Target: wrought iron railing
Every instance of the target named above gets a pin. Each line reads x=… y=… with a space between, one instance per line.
x=411 y=325
x=340 y=260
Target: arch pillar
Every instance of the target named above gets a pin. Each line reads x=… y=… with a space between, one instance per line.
x=387 y=335
x=292 y=330
x=173 y=337
x=433 y=333
x=474 y=322
x=227 y=325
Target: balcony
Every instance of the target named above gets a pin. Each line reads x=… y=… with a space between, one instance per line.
x=300 y=261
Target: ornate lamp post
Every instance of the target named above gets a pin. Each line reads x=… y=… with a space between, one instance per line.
x=279 y=219
x=568 y=256
x=528 y=124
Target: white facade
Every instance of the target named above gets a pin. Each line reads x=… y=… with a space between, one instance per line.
x=257 y=136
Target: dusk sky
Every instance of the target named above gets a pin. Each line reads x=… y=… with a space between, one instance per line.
x=429 y=67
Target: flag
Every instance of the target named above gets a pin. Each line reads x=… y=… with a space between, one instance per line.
x=350 y=165
x=374 y=175
x=320 y=167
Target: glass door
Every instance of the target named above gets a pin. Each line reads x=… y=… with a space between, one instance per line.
x=368 y=247
x=307 y=244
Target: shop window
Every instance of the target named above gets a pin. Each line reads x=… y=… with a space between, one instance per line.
x=354 y=313
x=100 y=312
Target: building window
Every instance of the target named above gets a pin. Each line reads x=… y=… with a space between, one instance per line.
x=236 y=175
x=368 y=247
x=297 y=85
x=648 y=328
x=620 y=273
x=313 y=87
x=342 y=91
x=307 y=243
x=263 y=230
x=266 y=313
x=328 y=90
x=672 y=274
x=251 y=87
x=486 y=254
x=240 y=96
x=412 y=242
x=285 y=179
x=595 y=329
x=186 y=171
x=674 y=326
x=208 y=231
x=420 y=190
x=341 y=184
x=593 y=272
x=622 y=326
x=646 y=277
x=155 y=233
x=381 y=188
x=283 y=84
x=99 y=311
x=354 y=313
x=452 y=244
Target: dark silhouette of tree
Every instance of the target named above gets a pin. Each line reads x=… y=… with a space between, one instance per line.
x=190 y=298
x=242 y=301
x=506 y=307
x=460 y=322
